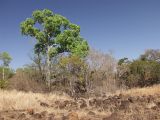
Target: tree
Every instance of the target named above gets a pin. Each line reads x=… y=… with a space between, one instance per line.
x=139 y=73
x=73 y=73
x=39 y=65
x=151 y=55
x=6 y=59
x=123 y=60
x=55 y=34
x=101 y=72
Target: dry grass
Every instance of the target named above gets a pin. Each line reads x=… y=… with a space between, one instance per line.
x=141 y=91
x=15 y=100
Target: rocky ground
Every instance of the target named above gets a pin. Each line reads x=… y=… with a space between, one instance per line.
x=116 y=107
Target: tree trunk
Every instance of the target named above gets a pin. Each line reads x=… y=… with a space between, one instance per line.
x=48 y=74
x=40 y=66
x=3 y=73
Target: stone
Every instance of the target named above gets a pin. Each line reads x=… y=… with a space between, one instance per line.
x=72 y=116
x=37 y=116
x=30 y=111
x=43 y=113
x=22 y=116
x=124 y=105
x=44 y=104
x=91 y=113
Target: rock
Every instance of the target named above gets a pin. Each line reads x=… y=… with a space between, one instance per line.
x=62 y=106
x=91 y=113
x=60 y=117
x=13 y=116
x=30 y=111
x=51 y=116
x=98 y=103
x=22 y=116
x=100 y=109
x=113 y=116
x=151 y=105
x=158 y=104
x=26 y=119
x=92 y=102
x=82 y=103
x=106 y=101
x=57 y=102
x=151 y=97
x=44 y=104
x=72 y=116
x=124 y=105
x=43 y=113
x=106 y=104
x=121 y=96
x=73 y=105
x=37 y=116
x=131 y=99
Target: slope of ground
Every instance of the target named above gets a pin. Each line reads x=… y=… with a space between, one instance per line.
x=134 y=104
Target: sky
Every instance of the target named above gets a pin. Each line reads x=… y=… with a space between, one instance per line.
x=126 y=27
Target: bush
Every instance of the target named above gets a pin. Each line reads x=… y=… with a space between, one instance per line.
x=3 y=84
x=140 y=73
x=7 y=72
x=101 y=72
x=27 y=79
x=70 y=75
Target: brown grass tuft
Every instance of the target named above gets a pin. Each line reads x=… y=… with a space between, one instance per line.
x=141 y=91
x=16 y=100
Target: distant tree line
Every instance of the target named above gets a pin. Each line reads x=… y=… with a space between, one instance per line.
x=144 y=71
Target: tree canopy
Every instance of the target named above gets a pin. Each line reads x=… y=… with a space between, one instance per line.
x=56 y=31
x=6 y=58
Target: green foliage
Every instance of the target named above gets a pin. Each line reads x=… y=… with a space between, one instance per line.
x=30 y=73
x=73 y=66
x=123 y=60
x=148 y=72
x=7 y=72
x=71 y=74
x=6 y=58
x=3 y=83
x=55 y=31
x=141 y=73
x=55 y=34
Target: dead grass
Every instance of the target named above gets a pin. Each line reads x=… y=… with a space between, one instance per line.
x=15 y=100
x=141 y=91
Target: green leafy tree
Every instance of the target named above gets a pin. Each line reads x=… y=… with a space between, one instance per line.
x=123 y=60
x=139 y=73
x=147 y=72
x=6 y=59
x=72 y=73
x=55 y=34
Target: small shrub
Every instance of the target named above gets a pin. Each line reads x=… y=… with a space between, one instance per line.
x=3 y=84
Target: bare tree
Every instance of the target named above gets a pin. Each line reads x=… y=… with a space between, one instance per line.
x=102 y=69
